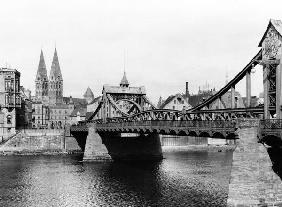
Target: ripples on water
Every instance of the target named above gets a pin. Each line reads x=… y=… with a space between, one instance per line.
x=182 y=179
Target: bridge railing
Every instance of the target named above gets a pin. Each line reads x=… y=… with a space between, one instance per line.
x=171 y=123
x=271 y=124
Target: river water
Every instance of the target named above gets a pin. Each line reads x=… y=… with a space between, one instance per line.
x=181 y=179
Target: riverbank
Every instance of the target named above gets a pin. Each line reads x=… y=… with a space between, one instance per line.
x=195 y=148
x=8 y=152
x=192 y=148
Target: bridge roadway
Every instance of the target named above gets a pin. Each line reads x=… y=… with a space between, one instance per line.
x=217 y=123
x=202 y=128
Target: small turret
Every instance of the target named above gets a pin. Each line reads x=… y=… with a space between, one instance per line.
x=124 y=82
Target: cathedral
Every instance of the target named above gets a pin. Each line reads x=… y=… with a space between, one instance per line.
x=49 y=90
x=50 y=108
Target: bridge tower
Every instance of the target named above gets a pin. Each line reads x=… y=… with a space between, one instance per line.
x=122 y=101
x=272 y=66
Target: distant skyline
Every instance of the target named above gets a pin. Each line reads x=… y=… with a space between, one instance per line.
x=167 y=42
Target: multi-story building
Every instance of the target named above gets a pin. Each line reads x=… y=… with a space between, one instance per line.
x=10 y=100
x=40 y=115
x=24 y=114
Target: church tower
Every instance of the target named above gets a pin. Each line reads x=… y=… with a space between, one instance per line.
x=88 y=95
x=41 y=81
x=55 y=82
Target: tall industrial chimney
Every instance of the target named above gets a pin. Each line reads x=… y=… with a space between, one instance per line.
x=187 y=90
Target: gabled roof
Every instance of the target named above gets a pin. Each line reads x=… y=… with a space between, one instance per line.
x=81 y=110
x=88 y=93
x=277 y=24
x=170 y=98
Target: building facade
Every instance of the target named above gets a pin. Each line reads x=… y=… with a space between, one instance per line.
x=10 y=101
x=175 y=102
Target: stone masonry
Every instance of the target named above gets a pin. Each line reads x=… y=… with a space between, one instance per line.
x=253 y=182
x=95 y=150
x=40 y=140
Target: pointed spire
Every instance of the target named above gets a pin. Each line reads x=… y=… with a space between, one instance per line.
x=124 y=82
x=55 y=68
x=88 y=95
x=41 y=71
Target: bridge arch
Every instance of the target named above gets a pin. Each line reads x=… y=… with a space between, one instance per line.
x=204 y=134
x=182 y=133
x=132 y=102
x=192 y=134
x=218 y=135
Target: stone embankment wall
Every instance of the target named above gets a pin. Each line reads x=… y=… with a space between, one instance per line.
x=253 y=181
x=38 y=141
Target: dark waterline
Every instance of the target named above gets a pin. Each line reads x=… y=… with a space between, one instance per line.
x=182 y=179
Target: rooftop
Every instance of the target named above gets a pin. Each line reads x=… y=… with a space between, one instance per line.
x=124 y=90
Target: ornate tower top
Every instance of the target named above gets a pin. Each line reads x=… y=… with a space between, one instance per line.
x=124 y=82
x=41 y=71
x=271 y=41
x=55 y=72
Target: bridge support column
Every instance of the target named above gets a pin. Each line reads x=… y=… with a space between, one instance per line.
x=233 y=97
x=95 y=150
x=278 y=91
x=265 y=92
x=145 y=147
x=252 y=180
x=248 y=88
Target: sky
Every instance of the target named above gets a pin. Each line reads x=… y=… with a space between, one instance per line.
x=160 y=43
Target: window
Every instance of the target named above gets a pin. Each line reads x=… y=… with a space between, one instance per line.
x=7 y=100
x=174 y=101
x=173 y=107
x=9 y=119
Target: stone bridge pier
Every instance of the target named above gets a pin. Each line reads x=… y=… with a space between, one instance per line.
x=253 y=181
x=130 y=147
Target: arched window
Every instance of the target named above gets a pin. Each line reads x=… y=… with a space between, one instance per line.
x=9 y=119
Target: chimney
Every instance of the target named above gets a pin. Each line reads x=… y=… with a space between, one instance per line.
x=187 y=90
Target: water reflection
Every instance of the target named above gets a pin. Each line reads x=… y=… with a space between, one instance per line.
x=182 y=179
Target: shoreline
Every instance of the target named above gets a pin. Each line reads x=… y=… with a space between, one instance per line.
x=199 y=148
x=37 y=152
x=165 y=149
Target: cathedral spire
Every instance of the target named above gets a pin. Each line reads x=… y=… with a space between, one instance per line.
x=55 y=72
x=41 y=70
x=41 y=81
x=55 y=81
